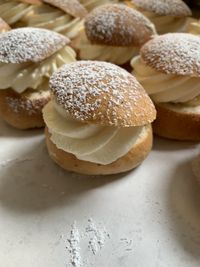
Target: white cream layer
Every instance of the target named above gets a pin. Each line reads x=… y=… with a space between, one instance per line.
x=19 y=77
x=89 y=142
x=91 y=4
x=115 y=54
x=48 y=17
x=194 y=28
x=166 y=87
x=13 y=11
x=166 y=24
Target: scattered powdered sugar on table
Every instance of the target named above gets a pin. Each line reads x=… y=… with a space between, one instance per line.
x=74 y=247
x=98 y=236
x=92 y=237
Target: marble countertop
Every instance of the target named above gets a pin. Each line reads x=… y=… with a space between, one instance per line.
x=149 y=217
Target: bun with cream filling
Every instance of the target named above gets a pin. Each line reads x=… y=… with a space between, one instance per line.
x=169 y=69
x=28 y=56
x=99 y=119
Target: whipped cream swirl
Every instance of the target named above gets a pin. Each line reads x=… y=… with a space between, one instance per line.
x=165 y=87
x=91 y=4
x=48 y=17
x=13 y=11
x=166 y=24
x=89 y=142
x=194 y=28
x=19 y=77
x=115 y=54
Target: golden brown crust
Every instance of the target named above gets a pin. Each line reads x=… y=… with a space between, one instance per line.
x=176 y=125
x=102 y=93
x=175 y=8
x=118 y=25
x=131 y=160
x=23 y=111
x=173 y=53
x=4 y=27
x=72 y=7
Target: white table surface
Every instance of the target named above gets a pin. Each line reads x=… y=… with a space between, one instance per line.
x=156 y=207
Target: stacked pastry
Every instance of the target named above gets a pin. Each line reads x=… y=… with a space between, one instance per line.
x=194 y=27
x=167 y=15
x=28 y=57
x=169 y=69
x=99 y=119
x=113 y=33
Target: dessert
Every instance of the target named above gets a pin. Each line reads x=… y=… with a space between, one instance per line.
x=4 y=27
x=169 y=69
x=167 y=15
x=62 y=16
x=28 y=56
x=99 y=119
x=113 y=33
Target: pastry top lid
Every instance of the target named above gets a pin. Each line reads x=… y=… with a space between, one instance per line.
x=4 y=27
x=118 y=25
x=164 y=7
x=101 y=93
x=72 y=7
x=173 y=53
x=29 y=45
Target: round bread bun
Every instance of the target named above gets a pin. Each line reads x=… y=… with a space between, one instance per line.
x=4 y=27
x=101 y=93
x=177 y=122
x=176 y=8
x=72 y=7
x=129 y=161
x=29 y=45
x=118 y=25
x=173 y=53
x=23 y=111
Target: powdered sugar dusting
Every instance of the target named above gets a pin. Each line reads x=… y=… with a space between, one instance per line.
x=164 y=7
x=103 y=93
x=29 y=44
x=73 y=7
x=115 y=24
x=25 y=104
x=173 y=53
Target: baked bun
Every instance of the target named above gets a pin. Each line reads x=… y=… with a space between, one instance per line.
x=167 y=15
x=169 y=70
x=28 y=56
x=4 y=27
x=113 y=33
x=131 y=160
x=117 y=25
x=99 y=119
x=23 y=111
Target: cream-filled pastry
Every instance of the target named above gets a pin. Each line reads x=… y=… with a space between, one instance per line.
x=113 y=33
x=91 y=4
x=62 y=16
x=14 y=11
x=169 y=70
x=167 y=15
x=28 y=57
x=4 y=27
x=99 y=119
